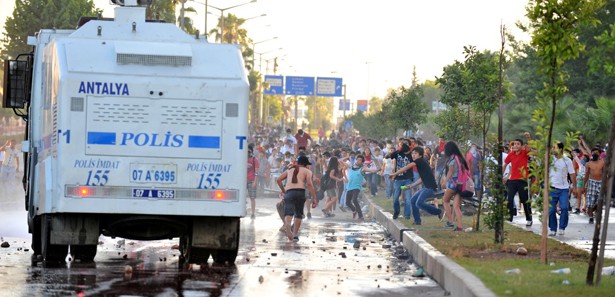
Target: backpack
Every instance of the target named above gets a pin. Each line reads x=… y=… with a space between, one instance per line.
x=464 y=179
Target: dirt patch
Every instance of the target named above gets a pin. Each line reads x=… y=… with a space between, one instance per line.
x=511 y=253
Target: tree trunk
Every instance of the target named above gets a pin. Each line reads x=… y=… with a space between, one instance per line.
x=546 y=165
x=605 y=195
x=498 y=193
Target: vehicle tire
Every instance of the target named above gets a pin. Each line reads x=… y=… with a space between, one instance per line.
x=52 y=253
x=222 y=256
x=191 y=254
x=225 y=256
x=36 y=236
x=85 y=253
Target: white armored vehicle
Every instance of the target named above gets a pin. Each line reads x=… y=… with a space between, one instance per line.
x=135 y=130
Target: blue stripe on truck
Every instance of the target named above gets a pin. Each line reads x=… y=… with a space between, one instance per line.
x=212 y=142
x=107 y=138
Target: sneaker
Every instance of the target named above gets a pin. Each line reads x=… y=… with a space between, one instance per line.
x=528 y=224
x=577 y=211
x=552 y=233
x=416 y=223
x=395 y=215
x=309 y=215
x=561 y=232
x=343 y=209
x=591 y=220
x=449 y=225
x=296 y=238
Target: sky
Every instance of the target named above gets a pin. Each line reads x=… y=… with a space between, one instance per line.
x=372 y=45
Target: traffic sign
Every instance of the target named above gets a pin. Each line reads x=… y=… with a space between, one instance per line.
x=299 y=85
x=329 y=86
x=275 y=85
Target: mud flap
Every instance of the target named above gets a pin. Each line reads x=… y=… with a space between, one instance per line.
x=216 y=233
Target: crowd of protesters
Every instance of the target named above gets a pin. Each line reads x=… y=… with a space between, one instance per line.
x=417 y=173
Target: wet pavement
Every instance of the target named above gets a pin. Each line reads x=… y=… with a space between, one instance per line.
x=579 y=232
x=334 y=256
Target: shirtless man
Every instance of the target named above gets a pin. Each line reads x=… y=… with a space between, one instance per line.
x=593 y=173
x=294 y=194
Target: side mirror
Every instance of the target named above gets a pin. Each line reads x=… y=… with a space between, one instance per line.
x=17 y=75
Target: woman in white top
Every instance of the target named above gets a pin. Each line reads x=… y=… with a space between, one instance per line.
x=386 y=170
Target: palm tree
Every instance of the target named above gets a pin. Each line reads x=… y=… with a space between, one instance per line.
x=163 y=10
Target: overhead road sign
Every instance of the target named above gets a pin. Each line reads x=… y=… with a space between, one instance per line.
x=299 y=85
x=329 y=86
x=275 y=85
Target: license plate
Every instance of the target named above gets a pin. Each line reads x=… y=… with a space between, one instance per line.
x=153 y=173
x=153 y=193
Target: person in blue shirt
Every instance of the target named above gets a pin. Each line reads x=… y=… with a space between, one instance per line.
x=355 y=179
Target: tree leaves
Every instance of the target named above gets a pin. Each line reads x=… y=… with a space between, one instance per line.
x=30 y=16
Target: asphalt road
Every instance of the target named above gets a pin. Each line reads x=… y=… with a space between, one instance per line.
x=334 y=256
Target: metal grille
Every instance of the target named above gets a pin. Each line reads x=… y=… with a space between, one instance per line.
x=232 y=110
x=54 y=136
x=192 y=115
x=76 y=104
x=152 y=60
x=121 y=113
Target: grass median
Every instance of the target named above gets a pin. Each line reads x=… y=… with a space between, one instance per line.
x=477 y=252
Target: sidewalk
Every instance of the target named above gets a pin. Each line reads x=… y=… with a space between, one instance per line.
x=579 y=232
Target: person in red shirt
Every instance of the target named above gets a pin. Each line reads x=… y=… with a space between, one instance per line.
x=302 y=140
x=517 y=182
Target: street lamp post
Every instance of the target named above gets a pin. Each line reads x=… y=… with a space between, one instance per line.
x=254 y=48
x=221 y=15
x=344 y=107
x=244 y=20
x=260 y=90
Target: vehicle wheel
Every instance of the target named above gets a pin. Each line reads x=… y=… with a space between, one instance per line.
x=50 y=252
x=85 y=253
x=190 y=254
x=36 y=236
x=223 y=256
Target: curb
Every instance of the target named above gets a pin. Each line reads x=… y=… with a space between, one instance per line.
x=450 y=275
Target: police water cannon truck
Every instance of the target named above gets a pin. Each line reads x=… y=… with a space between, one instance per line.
x=135 y=129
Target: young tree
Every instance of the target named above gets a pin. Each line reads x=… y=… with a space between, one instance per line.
x=407 y=110
x=472 y=84
x=555 y=26
x=30 y=16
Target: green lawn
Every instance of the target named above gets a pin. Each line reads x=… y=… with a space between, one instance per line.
x=477 y=252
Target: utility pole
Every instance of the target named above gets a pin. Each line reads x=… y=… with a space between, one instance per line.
x=344 y=107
